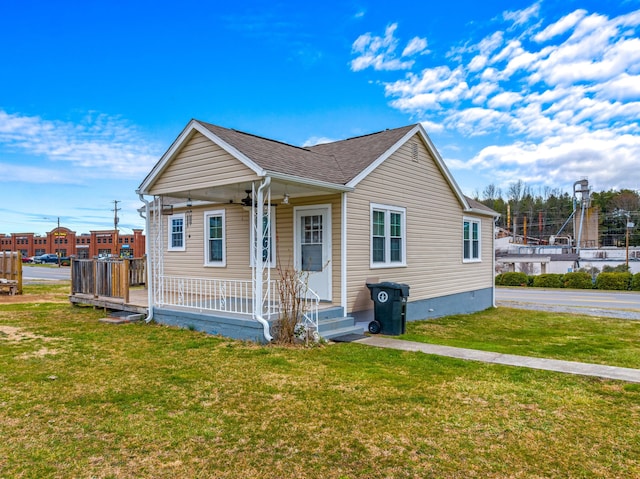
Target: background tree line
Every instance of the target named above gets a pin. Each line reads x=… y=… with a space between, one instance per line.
x=548 y=209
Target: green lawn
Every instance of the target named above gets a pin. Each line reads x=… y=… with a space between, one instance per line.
x=600 y=340
x=79 y=398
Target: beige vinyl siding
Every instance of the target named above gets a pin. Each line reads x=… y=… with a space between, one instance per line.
x=190 y=263
x=433 y=235
x=199 y=164
x=285 y=235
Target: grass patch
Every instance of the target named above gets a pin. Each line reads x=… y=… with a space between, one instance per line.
x=571 y=337
x=142 y=400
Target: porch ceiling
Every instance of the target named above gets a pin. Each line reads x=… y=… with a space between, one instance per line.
x=235 y=192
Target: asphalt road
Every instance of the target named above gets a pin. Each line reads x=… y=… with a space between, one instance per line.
x=50 y=273
x=605 y=303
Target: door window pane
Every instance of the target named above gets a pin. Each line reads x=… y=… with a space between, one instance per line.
x=312 y=257
x=312 y=242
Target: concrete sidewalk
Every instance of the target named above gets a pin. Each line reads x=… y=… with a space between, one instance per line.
x=569 y=367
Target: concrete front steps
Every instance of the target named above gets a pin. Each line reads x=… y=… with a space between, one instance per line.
x=122 y=317
x=332 y=323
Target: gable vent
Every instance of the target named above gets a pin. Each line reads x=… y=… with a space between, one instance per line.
x=414 y=151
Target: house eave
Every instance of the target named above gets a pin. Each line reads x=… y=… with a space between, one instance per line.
x=477 y=211
x=325 y=185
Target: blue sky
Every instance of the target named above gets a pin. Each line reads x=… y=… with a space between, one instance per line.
x=93 y=93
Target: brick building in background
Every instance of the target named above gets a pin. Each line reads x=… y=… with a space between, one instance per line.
x=68 y=243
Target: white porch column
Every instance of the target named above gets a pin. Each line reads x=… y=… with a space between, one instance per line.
x=261 y=269
x=343 y=254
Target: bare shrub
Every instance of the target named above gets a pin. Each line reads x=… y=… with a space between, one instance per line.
x=291 y=290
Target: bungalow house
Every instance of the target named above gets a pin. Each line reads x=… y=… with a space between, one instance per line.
x=228 y=211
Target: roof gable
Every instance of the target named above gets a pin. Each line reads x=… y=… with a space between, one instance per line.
x=356 y=155
x=343 y=163
x=278 y=157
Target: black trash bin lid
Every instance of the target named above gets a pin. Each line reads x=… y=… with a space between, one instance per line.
x=403 y=288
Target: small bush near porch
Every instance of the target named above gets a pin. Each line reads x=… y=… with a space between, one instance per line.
x=79 y=398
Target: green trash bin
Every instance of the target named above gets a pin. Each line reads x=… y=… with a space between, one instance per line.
x=390 y=308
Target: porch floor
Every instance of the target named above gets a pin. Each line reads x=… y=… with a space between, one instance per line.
x=138 y=301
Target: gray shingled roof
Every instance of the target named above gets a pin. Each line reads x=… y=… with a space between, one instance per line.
x=338 y=162
x=476 y=205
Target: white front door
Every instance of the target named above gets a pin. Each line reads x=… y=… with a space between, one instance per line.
x=313 y=247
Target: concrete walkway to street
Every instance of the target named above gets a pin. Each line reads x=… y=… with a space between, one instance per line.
x=569 y=367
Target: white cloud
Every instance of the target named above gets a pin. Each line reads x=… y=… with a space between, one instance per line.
x=480 y=92
x=558 y=159
x=432 y=127
x=478 y=63
x=520 y=17
x=318 y=140
x=98 y=146
x=491 y=43
x=416 y=45
x=504 y=100
x=428 y=90
x=478 y=121
x=561 y=26
x=549 y=101
x=622 y=88
x=380 y=52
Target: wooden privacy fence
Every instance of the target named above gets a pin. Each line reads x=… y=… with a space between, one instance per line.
x=11 y=271
x=111 y=278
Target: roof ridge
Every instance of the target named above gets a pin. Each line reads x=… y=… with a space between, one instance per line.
x=257 y=136
x=369 y=134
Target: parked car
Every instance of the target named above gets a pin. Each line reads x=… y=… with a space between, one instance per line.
x=46 y=258
x=27 y=259
x=65 y=261
x=106 y=257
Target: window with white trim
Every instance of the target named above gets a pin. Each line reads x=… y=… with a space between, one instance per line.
x=470 y=240
x=388 y=236
x=215 y=247
x=176 y=232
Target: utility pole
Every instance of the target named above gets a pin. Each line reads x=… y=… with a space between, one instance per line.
x=115 y=224
x=629 y=225
x=57 y=240
x=115 y=214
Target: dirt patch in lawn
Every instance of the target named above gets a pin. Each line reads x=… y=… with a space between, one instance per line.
x=13 y=334
x=33 y=298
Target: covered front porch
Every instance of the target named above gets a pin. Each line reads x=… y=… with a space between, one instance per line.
x=289 y=231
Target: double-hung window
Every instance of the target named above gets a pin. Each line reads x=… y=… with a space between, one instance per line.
x=176 y=233
x=388 y=236
x=470 y=240
x=215 y=252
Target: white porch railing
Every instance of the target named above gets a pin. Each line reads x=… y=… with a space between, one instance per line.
x=221 y=295
x=230 y=296
x=310 y=305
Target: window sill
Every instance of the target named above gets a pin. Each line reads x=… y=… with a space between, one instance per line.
x=387 y=265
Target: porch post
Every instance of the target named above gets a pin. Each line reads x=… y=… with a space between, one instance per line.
x=260 y=231
x=343 y=253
